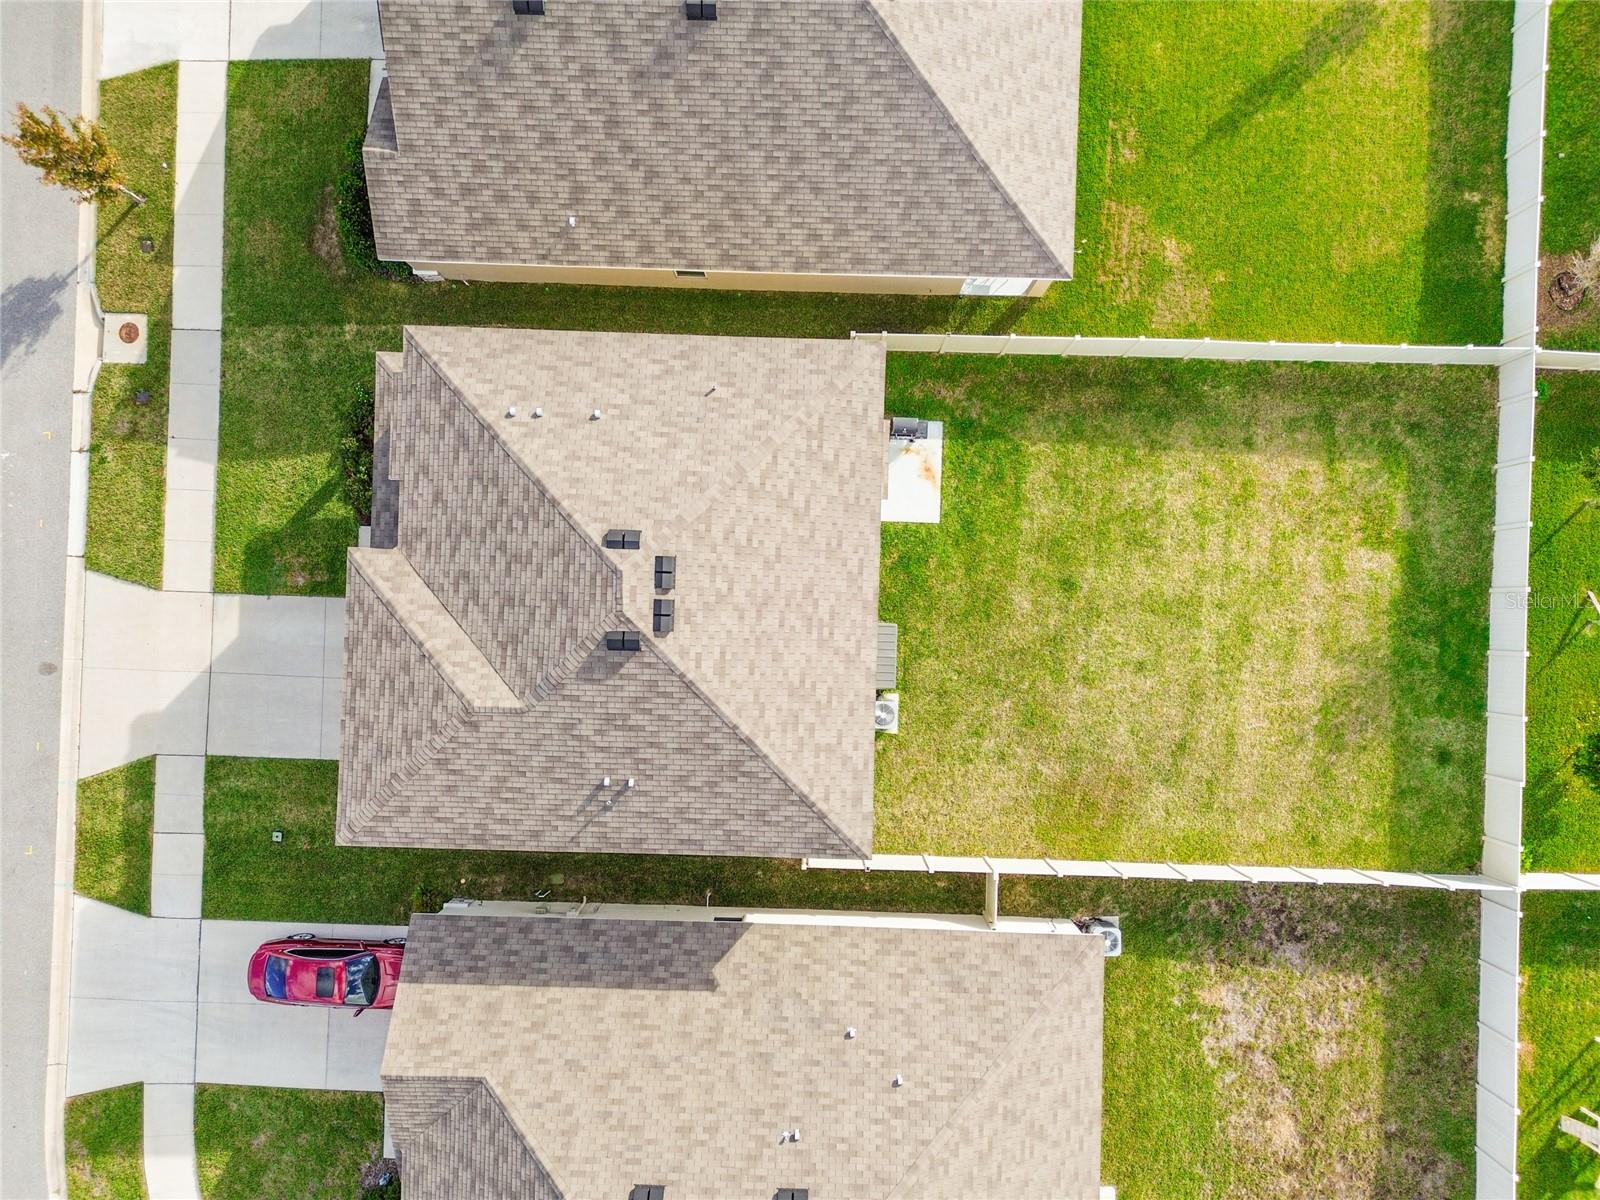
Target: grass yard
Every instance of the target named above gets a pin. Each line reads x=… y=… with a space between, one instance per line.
x=306 y=877
x=1570 y=219
x=1261 y=170
x=116 y=820
x=1290 y=171
x=1275 y=1036
x=1197 y=612
x=105 y=1145
x=283 y=1142
x=1560 y=1059
x=1561 y=812
x=128 y=447
x=1273 y=1042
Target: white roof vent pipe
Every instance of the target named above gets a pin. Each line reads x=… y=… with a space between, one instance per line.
x=512 y=411
x=595 y=415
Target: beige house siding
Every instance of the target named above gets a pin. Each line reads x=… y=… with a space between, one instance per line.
x=749 y=281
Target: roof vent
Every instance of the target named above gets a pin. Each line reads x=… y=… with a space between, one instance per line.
x=899 y=1081
x=622 y=639
x=791 y=1194
x=663 y=616
x=850 y=1033
x=512 y=411
x=648 y=1191
x=528 y=8
x=538 y=412
x=622 y=539
x=595 y=415
x=666 y=572
x=700 y=11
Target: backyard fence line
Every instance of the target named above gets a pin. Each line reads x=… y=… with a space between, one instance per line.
x=1560 y=881
x=1066 y=868
x=1569 y=360
x=1212 y=349
x=1505 y=746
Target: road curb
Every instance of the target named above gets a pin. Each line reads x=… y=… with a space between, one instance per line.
x=86 y=364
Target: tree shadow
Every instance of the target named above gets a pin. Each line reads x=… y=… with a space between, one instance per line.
x=1335 y=37
x=31 y=308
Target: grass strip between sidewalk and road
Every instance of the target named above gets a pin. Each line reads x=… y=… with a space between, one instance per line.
x=105 y=1144
x=115 y=835
x=128 y=440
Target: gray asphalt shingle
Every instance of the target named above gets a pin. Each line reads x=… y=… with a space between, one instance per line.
x=842 y=137
x=482 y=707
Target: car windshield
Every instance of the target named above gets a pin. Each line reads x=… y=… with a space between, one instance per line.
x=277 y=977
x=361 y=979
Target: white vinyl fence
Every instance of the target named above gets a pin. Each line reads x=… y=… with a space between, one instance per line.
x=1216 y=349
x=1505 y=767
x=1068 y=868
x=1569 y=360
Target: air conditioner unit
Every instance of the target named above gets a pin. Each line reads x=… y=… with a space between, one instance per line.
x=1109 y=928
x=886 y=713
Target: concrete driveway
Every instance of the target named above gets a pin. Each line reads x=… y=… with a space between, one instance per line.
x=189 y=673
x=241 y=1040
x=164 y=1001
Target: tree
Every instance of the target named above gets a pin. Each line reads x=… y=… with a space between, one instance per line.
x=74 y=154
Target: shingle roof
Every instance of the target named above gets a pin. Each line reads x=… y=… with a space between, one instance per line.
x=935 y=137
x=481 y=705
x=677 y=1052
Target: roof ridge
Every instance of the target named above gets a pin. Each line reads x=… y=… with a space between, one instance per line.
x=759 y=750
x=484 y=1088
x=970 y=1099
x=960 y=132
x=445 y=672
x=370 y=806
x=460 y=392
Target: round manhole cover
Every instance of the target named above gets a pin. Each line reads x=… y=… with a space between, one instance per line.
x=128 y=332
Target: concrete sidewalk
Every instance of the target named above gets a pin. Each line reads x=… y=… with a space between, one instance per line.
x=141 y=33
x=188 y=673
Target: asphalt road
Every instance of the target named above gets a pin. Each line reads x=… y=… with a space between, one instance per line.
x=41 y=63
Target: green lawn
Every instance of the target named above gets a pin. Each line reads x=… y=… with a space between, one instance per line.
x=289 y=1144
x=1561 y=817
x=1273 y=1036
x=105 y=1145
x=306 y=877
x=116 y=819
x=1277 y=1041
x=1260 y=170
x=1570 y=219
x=1560 y=1059
x=1197 y=612
x=128 y=450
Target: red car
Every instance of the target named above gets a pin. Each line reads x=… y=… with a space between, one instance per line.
x=305 y=969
